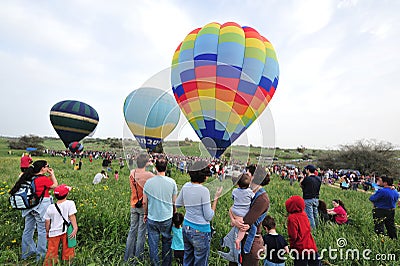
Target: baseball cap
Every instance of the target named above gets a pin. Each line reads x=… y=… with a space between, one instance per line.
x=311 y=168
x=62 y=190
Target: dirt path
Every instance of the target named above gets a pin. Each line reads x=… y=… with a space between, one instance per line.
x=362 y=190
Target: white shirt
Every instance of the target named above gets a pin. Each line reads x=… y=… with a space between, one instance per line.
x=97 y=178
x=67 y=208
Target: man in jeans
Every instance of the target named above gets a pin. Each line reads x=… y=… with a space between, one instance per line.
x=311 y=185
x=159 y=198
x=384 y=201
x=137 y=230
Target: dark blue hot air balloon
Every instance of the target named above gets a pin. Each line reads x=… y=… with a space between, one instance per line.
x=73 y=120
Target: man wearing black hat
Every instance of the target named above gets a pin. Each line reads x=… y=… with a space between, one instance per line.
x=311 y=185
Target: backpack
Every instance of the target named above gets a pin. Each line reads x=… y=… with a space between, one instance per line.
x=26 y=197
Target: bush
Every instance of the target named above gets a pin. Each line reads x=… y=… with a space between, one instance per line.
x=28 y=141
x=367 y=156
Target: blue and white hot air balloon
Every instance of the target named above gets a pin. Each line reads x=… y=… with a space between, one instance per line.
x=151 y=115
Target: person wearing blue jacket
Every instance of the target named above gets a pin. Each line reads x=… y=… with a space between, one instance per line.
x=384 y=201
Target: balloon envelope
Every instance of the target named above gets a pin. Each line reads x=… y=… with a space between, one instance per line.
x=151 y=115
x=73 y=120
x=75 y=147
x=223 y=77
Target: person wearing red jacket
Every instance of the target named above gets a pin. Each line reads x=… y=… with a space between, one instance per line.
x=302 y=244
x=26 y=161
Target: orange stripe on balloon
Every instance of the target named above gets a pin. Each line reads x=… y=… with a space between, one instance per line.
x=192 y=94
x=240 y=109
x=205 y=85
x=226 y=95
x=252 y=33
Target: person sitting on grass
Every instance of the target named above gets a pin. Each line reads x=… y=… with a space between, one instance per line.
x=345 y=183
x=99 y=177
x=339 y=212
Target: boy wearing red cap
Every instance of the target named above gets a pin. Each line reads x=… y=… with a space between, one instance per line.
x=55 y=229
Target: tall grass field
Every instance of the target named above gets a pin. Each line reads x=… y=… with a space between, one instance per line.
x=104 y=213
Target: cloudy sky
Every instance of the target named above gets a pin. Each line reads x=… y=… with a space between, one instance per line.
x=339 y=61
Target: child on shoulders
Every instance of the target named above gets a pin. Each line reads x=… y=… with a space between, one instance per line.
x=242 y=197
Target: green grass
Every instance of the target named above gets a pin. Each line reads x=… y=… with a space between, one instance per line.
x=103 y=215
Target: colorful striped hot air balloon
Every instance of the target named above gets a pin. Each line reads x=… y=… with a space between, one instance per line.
x=75 y=147
x=223 y=77
x=151 y=115
x=73 y=120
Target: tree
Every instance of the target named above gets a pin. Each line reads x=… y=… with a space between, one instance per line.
x=115 y=144
x=301 y=149
x=27 y=141
x=367 y=156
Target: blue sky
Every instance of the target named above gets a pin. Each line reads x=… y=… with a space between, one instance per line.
x=339 y=62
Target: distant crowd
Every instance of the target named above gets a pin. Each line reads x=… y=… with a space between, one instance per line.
x=347 y=179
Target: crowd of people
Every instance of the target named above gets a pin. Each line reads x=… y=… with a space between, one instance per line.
x=156 y=203
x=347 y=179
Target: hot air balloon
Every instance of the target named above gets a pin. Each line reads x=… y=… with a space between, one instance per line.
x=223 y=77
x=75 y=147
x=151 y=115
x=73 y=120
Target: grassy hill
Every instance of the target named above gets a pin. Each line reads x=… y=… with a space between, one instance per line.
x=103 y=216
x=187 y=148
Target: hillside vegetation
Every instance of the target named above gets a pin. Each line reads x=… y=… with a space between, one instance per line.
x=103 y=216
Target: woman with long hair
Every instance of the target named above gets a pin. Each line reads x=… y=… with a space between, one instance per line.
x=34 y=216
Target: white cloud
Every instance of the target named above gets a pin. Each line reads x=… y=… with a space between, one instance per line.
x=338 y=60
x=309 y=16
x=347 y=3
